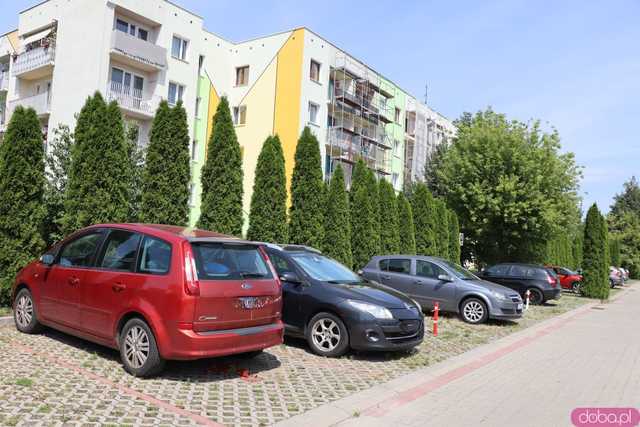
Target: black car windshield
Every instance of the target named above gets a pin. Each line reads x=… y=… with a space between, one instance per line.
x=324 y=269
x=460 y=272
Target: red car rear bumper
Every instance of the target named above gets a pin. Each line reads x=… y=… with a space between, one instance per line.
x=187 y=344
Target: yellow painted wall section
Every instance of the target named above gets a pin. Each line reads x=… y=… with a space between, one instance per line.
x=260 y=116
x=14 y=40
x=286 y=123
x=214 y=100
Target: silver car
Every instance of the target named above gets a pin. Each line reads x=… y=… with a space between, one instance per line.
x=430 y=279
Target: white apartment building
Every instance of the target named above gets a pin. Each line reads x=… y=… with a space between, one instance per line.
x=139 y=52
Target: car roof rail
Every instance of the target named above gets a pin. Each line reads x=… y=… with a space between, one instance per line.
x=293 y=248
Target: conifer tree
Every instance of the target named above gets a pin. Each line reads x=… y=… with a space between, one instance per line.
x=136 y=154
x=441 y=228
x=363 y=223
x=454 y=237
x=422 y=204
x=166 y=176
x=306 y=219
x=389 y=227
x=337 y=227
x=222 y=191
x=268 y=213
x=100 y=178
x=374 y=195
x=405 y=226
x=595 y=268
x=22 y=184
x=614 y=251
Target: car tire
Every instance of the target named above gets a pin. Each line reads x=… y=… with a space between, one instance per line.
x=576 y=287
x=138 y=349
x=536 y=297
x=327 y=335
x=474 y=311
x=24 y=313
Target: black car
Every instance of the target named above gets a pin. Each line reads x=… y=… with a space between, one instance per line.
x=542 y=282
x=335 y=309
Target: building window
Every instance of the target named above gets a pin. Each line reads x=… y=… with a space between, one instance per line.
x=125 y=27
x=198 y=101
x=313 y=113
x=240 y=115
x=200 y=64
x=242 y=76
x=194 y=148
x=314 y=71
x=192 y=194
x=396 y=147
x=397 y=117
x=176 y=92
x=179 y=48
x=394 y=179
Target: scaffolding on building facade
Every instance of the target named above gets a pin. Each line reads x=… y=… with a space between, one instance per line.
x=359 y=110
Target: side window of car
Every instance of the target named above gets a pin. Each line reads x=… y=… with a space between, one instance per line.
x=155 y=256
x=280 y=264
x=120 y=251
x=383 y=265
x=499 y=270
x=428 y=269
x=519 y=271
x=80 y=252
x=399 y=265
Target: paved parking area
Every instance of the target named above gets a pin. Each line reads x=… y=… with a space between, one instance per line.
x=55 y=379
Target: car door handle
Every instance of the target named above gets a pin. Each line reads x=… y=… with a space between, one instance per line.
x=118 y=287
x=384 y=276
x=418 y=282
x=73 y=281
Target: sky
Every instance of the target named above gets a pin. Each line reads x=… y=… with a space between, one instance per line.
x=575 y=65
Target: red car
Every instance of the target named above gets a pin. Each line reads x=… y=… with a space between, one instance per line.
x=568 y=279
x=154 y=292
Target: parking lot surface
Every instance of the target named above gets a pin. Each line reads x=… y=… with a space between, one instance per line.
x=55 y=379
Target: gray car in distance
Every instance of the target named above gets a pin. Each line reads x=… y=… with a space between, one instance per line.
x=430 y=279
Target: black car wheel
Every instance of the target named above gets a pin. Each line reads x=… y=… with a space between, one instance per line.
x=138 y=349
x=327 y=335
x=474 y=311
x=535 y=296
x=575 y=287
x=24 y=313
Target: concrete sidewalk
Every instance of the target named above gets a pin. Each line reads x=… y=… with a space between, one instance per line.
x=536 y=377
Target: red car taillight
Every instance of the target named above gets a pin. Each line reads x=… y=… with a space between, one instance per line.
x=266 y=259
x=191 y=282
x=552 y=281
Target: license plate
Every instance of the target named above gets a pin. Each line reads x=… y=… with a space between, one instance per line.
x=248 y=303
x=520 y=306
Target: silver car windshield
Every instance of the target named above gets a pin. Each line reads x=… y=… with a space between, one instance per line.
x=325 y=269
x=460 y=272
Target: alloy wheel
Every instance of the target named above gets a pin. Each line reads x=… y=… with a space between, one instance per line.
x=473 y=311
x=136 y=346
x=325 y=334
x=24 y=311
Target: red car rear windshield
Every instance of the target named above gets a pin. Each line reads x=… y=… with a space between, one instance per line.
x=222 y=261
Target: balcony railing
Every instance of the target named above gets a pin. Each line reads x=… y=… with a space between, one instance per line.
x=4 y=81
x=138 y=52
x=132 y=99
x=40 y=102
x=33 y=59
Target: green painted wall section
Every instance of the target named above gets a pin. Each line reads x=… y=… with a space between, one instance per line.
x=395 y=132
x=200 y=136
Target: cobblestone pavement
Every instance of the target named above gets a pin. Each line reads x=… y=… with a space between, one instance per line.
x=55 y=379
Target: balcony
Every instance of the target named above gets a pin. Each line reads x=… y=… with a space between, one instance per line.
x=40 y=102
x=4 y=81
x=132 y=101
x=137 y=52
x=35 y=63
